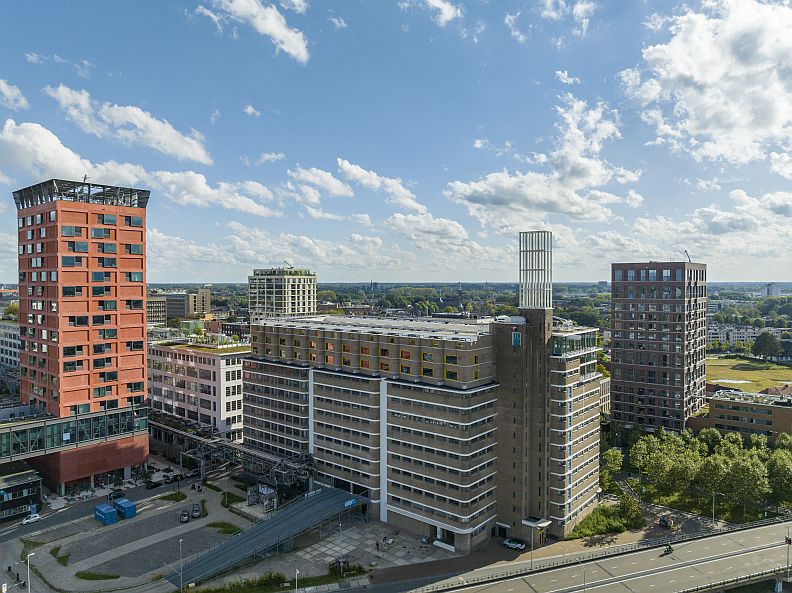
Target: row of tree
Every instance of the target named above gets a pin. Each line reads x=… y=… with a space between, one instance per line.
x=766 y=345
x=749 y=472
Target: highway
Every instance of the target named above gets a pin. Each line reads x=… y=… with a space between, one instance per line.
x=693 y=563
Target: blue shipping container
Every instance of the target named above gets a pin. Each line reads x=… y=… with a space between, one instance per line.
x=105 y=514
x=126 y=508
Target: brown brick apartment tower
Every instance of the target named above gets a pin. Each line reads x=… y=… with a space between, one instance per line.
x=659 y=331
x=82 y=316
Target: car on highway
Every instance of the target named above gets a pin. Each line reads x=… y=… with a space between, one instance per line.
x=151 y=484
x=184 y=517
x=514 y=544
x=31 y=519
x=196 y=511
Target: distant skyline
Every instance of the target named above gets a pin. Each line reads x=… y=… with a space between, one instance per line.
x=411 y=140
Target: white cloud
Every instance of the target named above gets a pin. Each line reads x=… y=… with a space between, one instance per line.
x=34 y=58
x=315 y=181
x=721 y=87
x=564 y=77
x=251 y=111
x=511 y=22
x=11 y=96
x=781 y=163
x=506 y=201
x=338 y=22
x=83 y=68
x=212 y=16
x=580 y=11
x=446 y=11
x=35 y=151
x=319 y=214
x=214 y=117
x=128 y=123
x=400 y=196
x=300 y=6
x=266 y=20
x=634 y=199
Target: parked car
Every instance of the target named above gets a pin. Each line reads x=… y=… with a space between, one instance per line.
x=115 y=494
x=31 y=519
x=184 y=517
x=196 y=511
x=151 y=484
x=667 y=522
x=168 y=479
x=514 y=544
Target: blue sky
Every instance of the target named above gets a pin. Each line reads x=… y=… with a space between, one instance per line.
x=411 y=141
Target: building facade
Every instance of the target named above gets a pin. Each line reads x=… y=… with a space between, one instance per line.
x=724 y=333
x=9 y=354
x=82 y=279
x=177 y=305
x=199 y=384
x=156 y=309
x=747 y=414
x=281 y=292
x=200 y=302
x=20 y=490
x=659 y=329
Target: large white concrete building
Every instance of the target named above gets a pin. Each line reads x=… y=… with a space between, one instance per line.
x=731 y=334
x=199 y=383
x=9 y=354
x=281 y=292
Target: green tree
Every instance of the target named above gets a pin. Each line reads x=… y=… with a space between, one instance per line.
x=738 y=346
x=783 y=441
x=612 y=460
x=759 y=444
x=711 y=437
x=779 y=474
x=711 y=475
x=12 y=311
x=747 y=479
x=766 y=345
x=786 y=336
x=641 y=450
x=715 y=346
x=630 y=511
x=684 y=468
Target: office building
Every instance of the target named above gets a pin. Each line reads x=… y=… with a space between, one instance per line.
x=177 y=305
x=772 y=289
x=454 y=429
x=20 y=490
x=281 y=292
x=199 y=303
x=156 y=309
x=9 y=354
x=725 y=333
x=82 y=279
x=659 y=325
x=747 y=414
x=199 y=383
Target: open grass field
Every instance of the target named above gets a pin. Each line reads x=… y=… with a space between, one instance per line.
x=758 y=374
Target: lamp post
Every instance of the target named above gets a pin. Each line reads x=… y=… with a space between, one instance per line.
x=788 y=541
x=181 y=568
x=28 y=568
x=532 y=536
x=584 y=574
x=296 y=574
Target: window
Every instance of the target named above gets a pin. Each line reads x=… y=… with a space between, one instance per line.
x=70 y=261
x=78 y=320
x=136 y=386
x=77 y=246
x=73 y=365
x=384 y=366
x=107 y=305
x=134 y=346
x=100 y=276
x=405 y=354
x=38 y=218
x=451 y=375
x=108 y=334
x=133 y=220
x=427 y=356
x=103 y=391
x=52 y=215
x=100 y=291
x=630 y=275
x=106 y=218
x=100 y=233
x=133 y=249
x=101 y=319
x=365 y=350
x=72 y=351
x=404 y=369
x=101 y=363
x=71 y=231
x=106 y=262
x=450 y=359
x=72 y=291
x=107 y=376
x=427 y=372
x=666 y=275
x=134 y=304
x=102 y=348
x=384 y=352
x=107 y=247
x=133 y=276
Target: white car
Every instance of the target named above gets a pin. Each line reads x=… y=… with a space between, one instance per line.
x=514 y=543
x=31 y=519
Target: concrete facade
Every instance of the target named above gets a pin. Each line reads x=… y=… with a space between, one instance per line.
x=281 y=292
x=156 y=309
x=659 y=325
x=9 y=354
x=747 y=414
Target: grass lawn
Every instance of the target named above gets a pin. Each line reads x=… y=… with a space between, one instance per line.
x=758 y=374
x=230 y=498
x=177 y=496
x=225 y=527
x=603 y=520
x=63 y=559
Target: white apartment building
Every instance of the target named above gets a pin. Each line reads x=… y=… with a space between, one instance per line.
x=281 y=292
x=9 y=353
x=199 y=383
x=732 y=334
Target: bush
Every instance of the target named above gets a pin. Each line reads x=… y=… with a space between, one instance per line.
x=87 y=575
x=212 y=486
x=177 y=496
x=204 y=510
x=609 y=519
x=225 y=527
x=230 y=498
x=334 y=570
x=269 y=581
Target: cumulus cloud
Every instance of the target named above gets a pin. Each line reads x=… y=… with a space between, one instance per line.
x=128 y=123
x=251 y=111
x=506 y=201
x=83 y=68
x=266 y=20
x=445 y=11
x=399 y=195
x=721 y=87
x=580 y=11
x=564 y=77
x=32 y=149
x=264 y=157
x=338 y=22
x=11 y=96
x=313 y=182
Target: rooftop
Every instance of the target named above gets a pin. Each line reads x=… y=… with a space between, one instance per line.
x=80 y=191
x=758 y=398
x=447 y=329
x=206 y=347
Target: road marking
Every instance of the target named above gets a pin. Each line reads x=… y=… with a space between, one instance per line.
x=672 y=581
x=706 y=547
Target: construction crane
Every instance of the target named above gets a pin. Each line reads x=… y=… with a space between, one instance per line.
x=291 y=267
x=688 y=256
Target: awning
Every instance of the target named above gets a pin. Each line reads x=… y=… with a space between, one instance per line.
x=536 y=522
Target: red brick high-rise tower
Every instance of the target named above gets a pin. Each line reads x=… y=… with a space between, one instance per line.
x=82 y=317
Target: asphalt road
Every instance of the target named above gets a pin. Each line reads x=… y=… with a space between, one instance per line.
x=692 y=563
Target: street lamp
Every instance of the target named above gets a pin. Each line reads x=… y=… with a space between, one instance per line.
x=584 y=574
x=296 y=574
x=181 y=568
x=28 y=567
